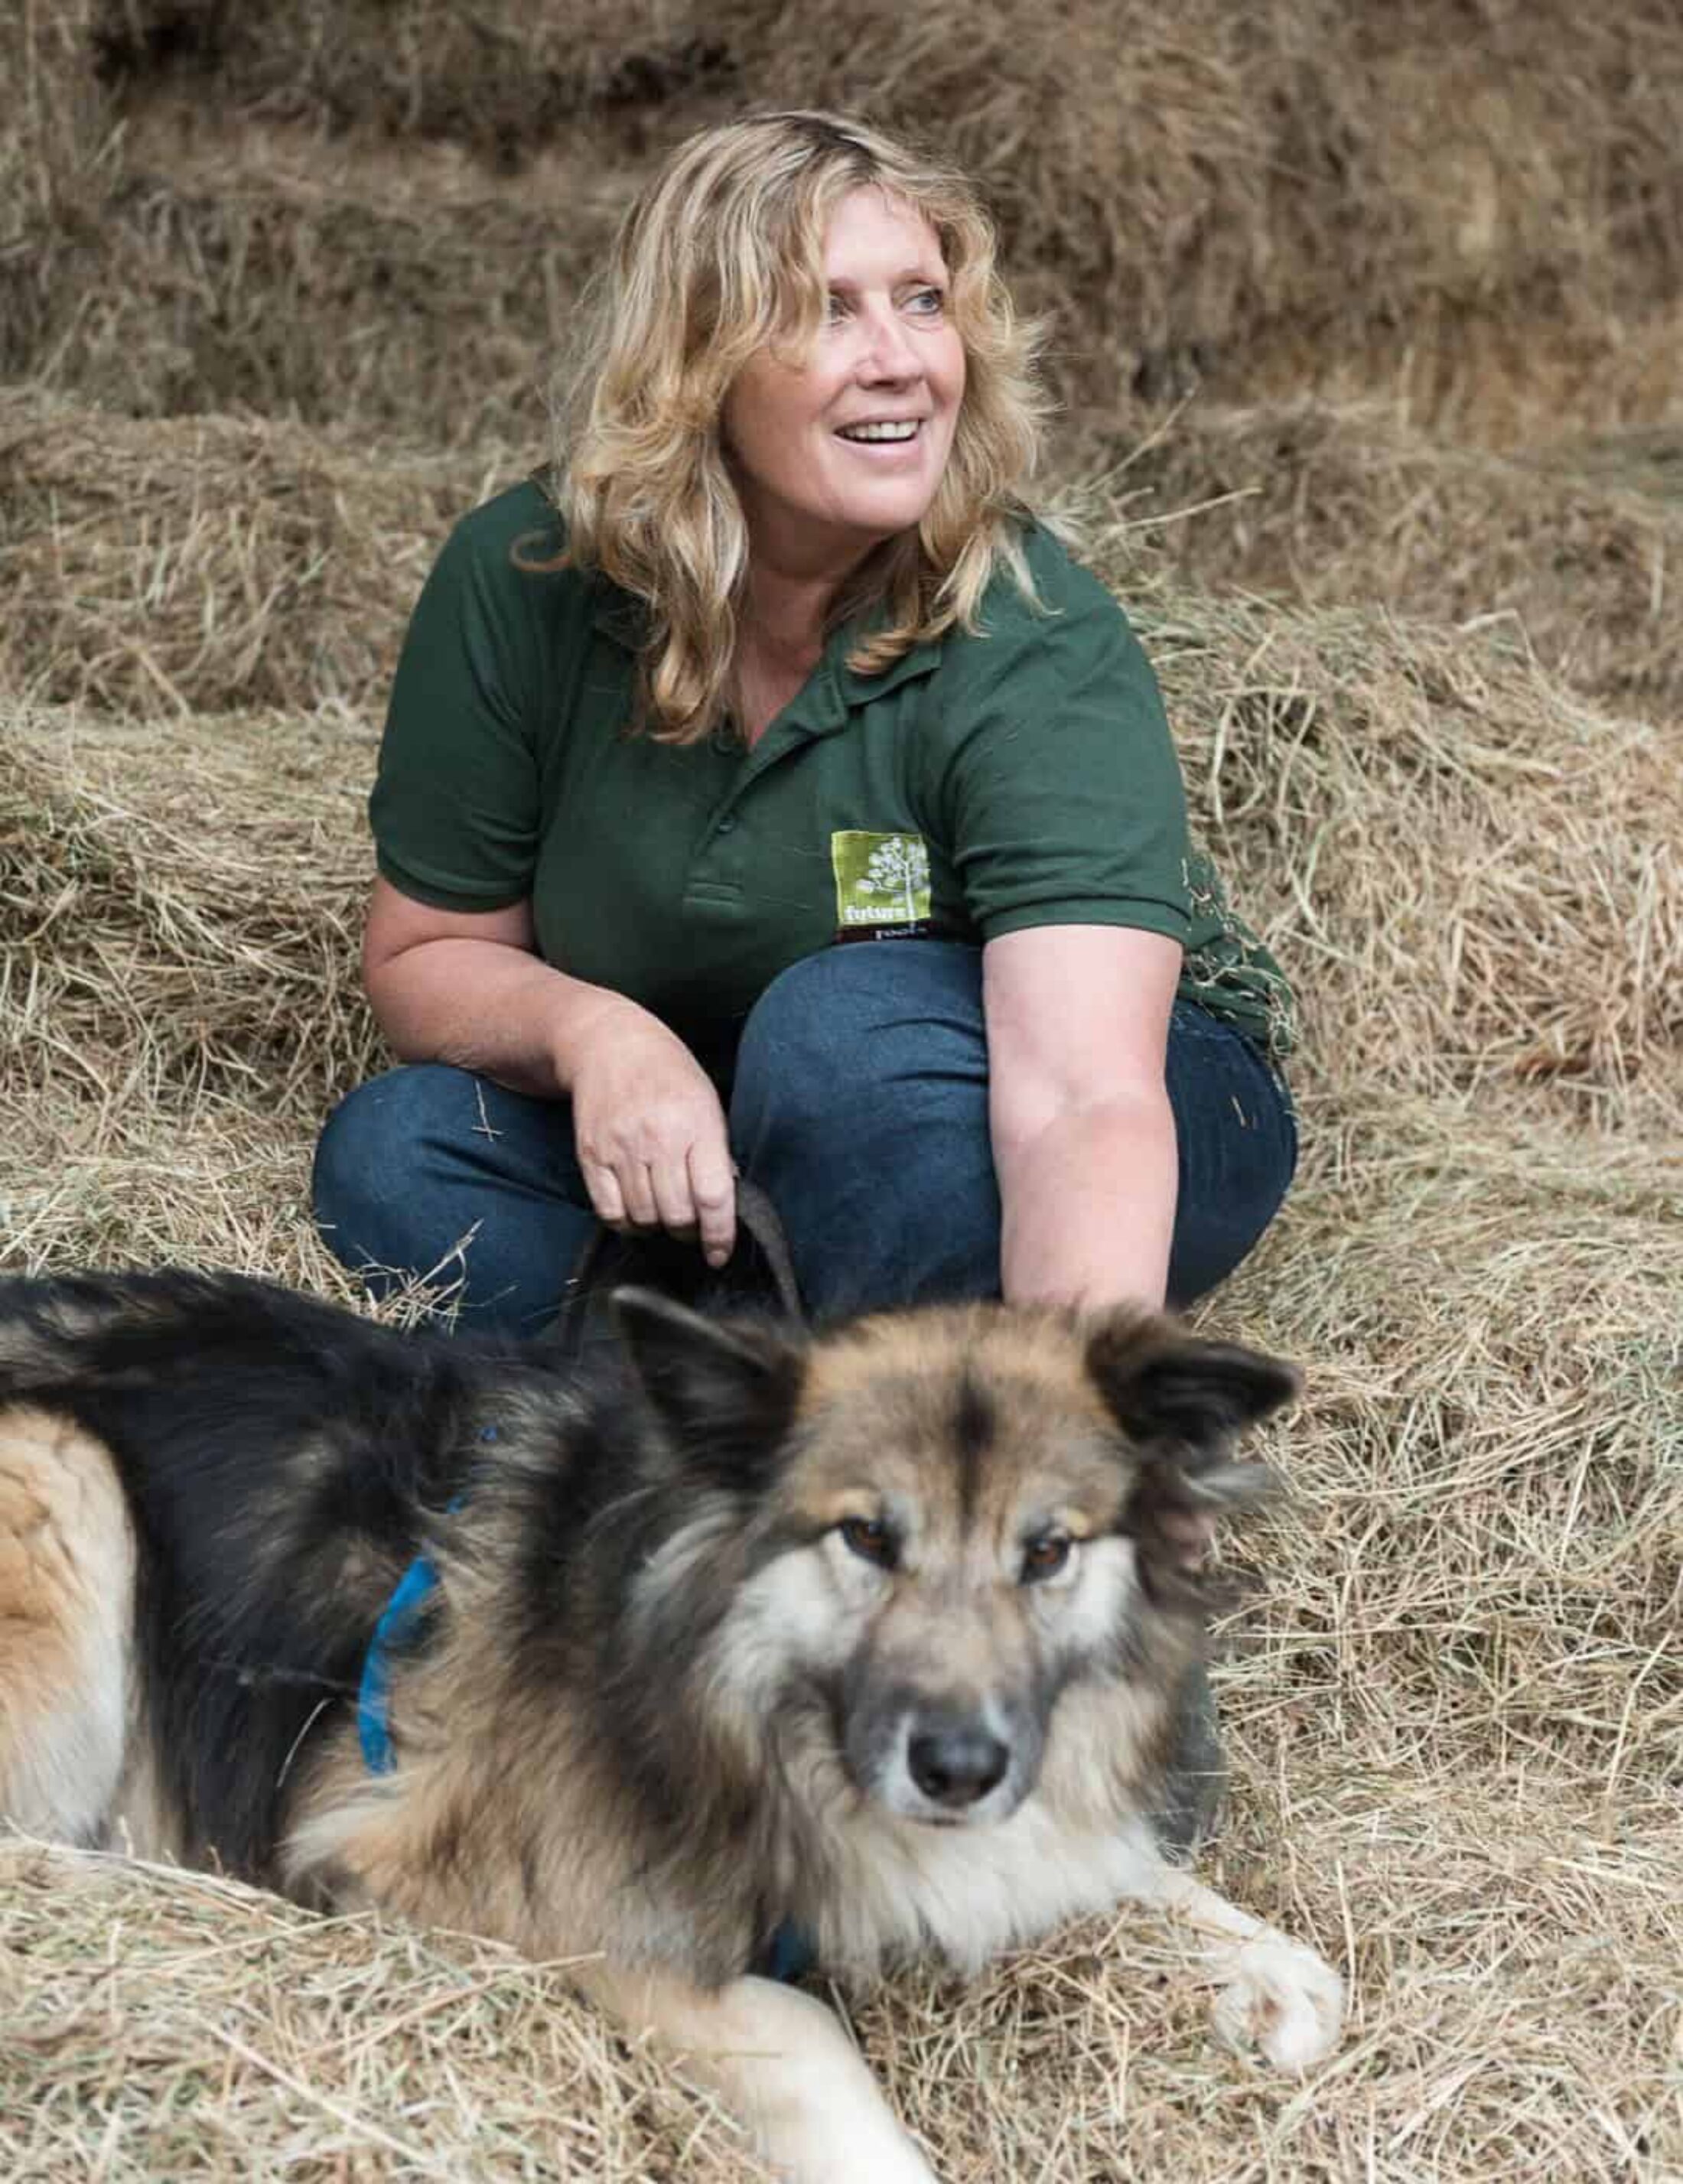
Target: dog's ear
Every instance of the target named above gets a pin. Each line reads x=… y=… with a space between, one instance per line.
x=1172 y=1515
x=726 y=1390
x=1168 y=1388
x=1184 y=1401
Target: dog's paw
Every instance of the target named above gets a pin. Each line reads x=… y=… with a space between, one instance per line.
x=1283 y=2000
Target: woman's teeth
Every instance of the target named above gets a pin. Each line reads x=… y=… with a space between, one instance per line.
x=905 y=431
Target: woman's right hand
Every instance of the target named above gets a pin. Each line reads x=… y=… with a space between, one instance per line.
x=468 y=988
x=649 y=1130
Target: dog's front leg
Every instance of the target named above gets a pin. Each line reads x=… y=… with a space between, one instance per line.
x=1276 y=1994
x=781 y=2062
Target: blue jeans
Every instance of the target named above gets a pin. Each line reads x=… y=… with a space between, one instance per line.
x=859 y=1104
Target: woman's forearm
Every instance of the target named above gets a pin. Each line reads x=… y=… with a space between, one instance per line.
x=499 y=1010
x=1088 y=1204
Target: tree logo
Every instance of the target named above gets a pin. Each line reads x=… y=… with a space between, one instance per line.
x=881 y=879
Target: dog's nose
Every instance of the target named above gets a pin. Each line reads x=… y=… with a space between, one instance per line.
x=956 y=1766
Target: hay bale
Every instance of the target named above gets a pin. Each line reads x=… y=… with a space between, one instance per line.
x=207 y=564
x=164 y=955
x=1579 y=548
x=504 y=78
x=1239 y=195
x=397 y=293
x=1475 y=875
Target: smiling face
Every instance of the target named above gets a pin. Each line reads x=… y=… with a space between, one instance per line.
x=836 y=451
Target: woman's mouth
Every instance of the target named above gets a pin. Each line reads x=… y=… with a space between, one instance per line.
x=887 y=433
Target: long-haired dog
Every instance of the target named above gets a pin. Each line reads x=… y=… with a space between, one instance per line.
x=877 y=1636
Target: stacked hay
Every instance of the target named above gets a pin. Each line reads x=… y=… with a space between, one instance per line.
x=1258 y=196
x=251 y=261
x=177 y=980
x=1578 y=549
x=503 y=79
x=1480 y=877
x=1457 y=1710
x=208 y=564
x=373 y=289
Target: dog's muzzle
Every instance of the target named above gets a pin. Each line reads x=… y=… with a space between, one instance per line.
x=952 y=1765
x=955 y=1764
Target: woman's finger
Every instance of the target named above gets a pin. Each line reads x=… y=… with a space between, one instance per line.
x=637 y=1189
x=607 y=1200
x=712 y=1190
x=674 y=1208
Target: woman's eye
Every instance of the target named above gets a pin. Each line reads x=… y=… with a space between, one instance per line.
x=927 y=303
x=835 y=308
x=870 y=1538
x=1045 y=1556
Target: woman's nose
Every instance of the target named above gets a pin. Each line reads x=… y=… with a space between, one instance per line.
x=890 y=353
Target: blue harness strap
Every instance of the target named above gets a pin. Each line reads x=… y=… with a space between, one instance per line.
x=374 y=1696
x=396 y=1626
x=789 y=1956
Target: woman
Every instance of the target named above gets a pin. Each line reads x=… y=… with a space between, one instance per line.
x=782 y=664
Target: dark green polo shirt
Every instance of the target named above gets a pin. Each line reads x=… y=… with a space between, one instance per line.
x=1021 y=776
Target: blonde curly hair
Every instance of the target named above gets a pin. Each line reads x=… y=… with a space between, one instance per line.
x=722 y=254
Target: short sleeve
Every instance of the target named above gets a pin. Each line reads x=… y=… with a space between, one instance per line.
x=1063 y=799
x=455 y=809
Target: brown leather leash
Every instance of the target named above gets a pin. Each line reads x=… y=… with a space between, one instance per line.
x=611 y=1259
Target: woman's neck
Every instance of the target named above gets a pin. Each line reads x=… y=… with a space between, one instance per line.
x=784 y=615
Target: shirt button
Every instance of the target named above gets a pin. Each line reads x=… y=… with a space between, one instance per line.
x=726 y=824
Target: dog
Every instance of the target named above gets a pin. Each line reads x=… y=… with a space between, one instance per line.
x=875 y=1636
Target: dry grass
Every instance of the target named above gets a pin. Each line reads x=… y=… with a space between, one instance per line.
x=296 y=244
x=1578 y=549
x=205 y=565
x=1472 y=210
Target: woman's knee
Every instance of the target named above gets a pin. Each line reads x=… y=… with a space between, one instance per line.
x=843 y=1038
x=434 y=1173
x=1238 y=1150
x=374 y=1142
x=861 y=1104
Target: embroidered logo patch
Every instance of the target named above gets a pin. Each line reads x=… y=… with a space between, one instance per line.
x=881 y=879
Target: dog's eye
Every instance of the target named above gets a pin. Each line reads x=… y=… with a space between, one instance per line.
x=1045 y=1555
x=870 y=1538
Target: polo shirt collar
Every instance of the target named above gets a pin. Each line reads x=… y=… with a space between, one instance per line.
x=834 y=689
x=862 y=689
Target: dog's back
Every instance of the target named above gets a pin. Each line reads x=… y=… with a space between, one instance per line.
x=208 y=1486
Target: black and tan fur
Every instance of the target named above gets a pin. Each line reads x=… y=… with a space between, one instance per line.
x=879 y=1634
